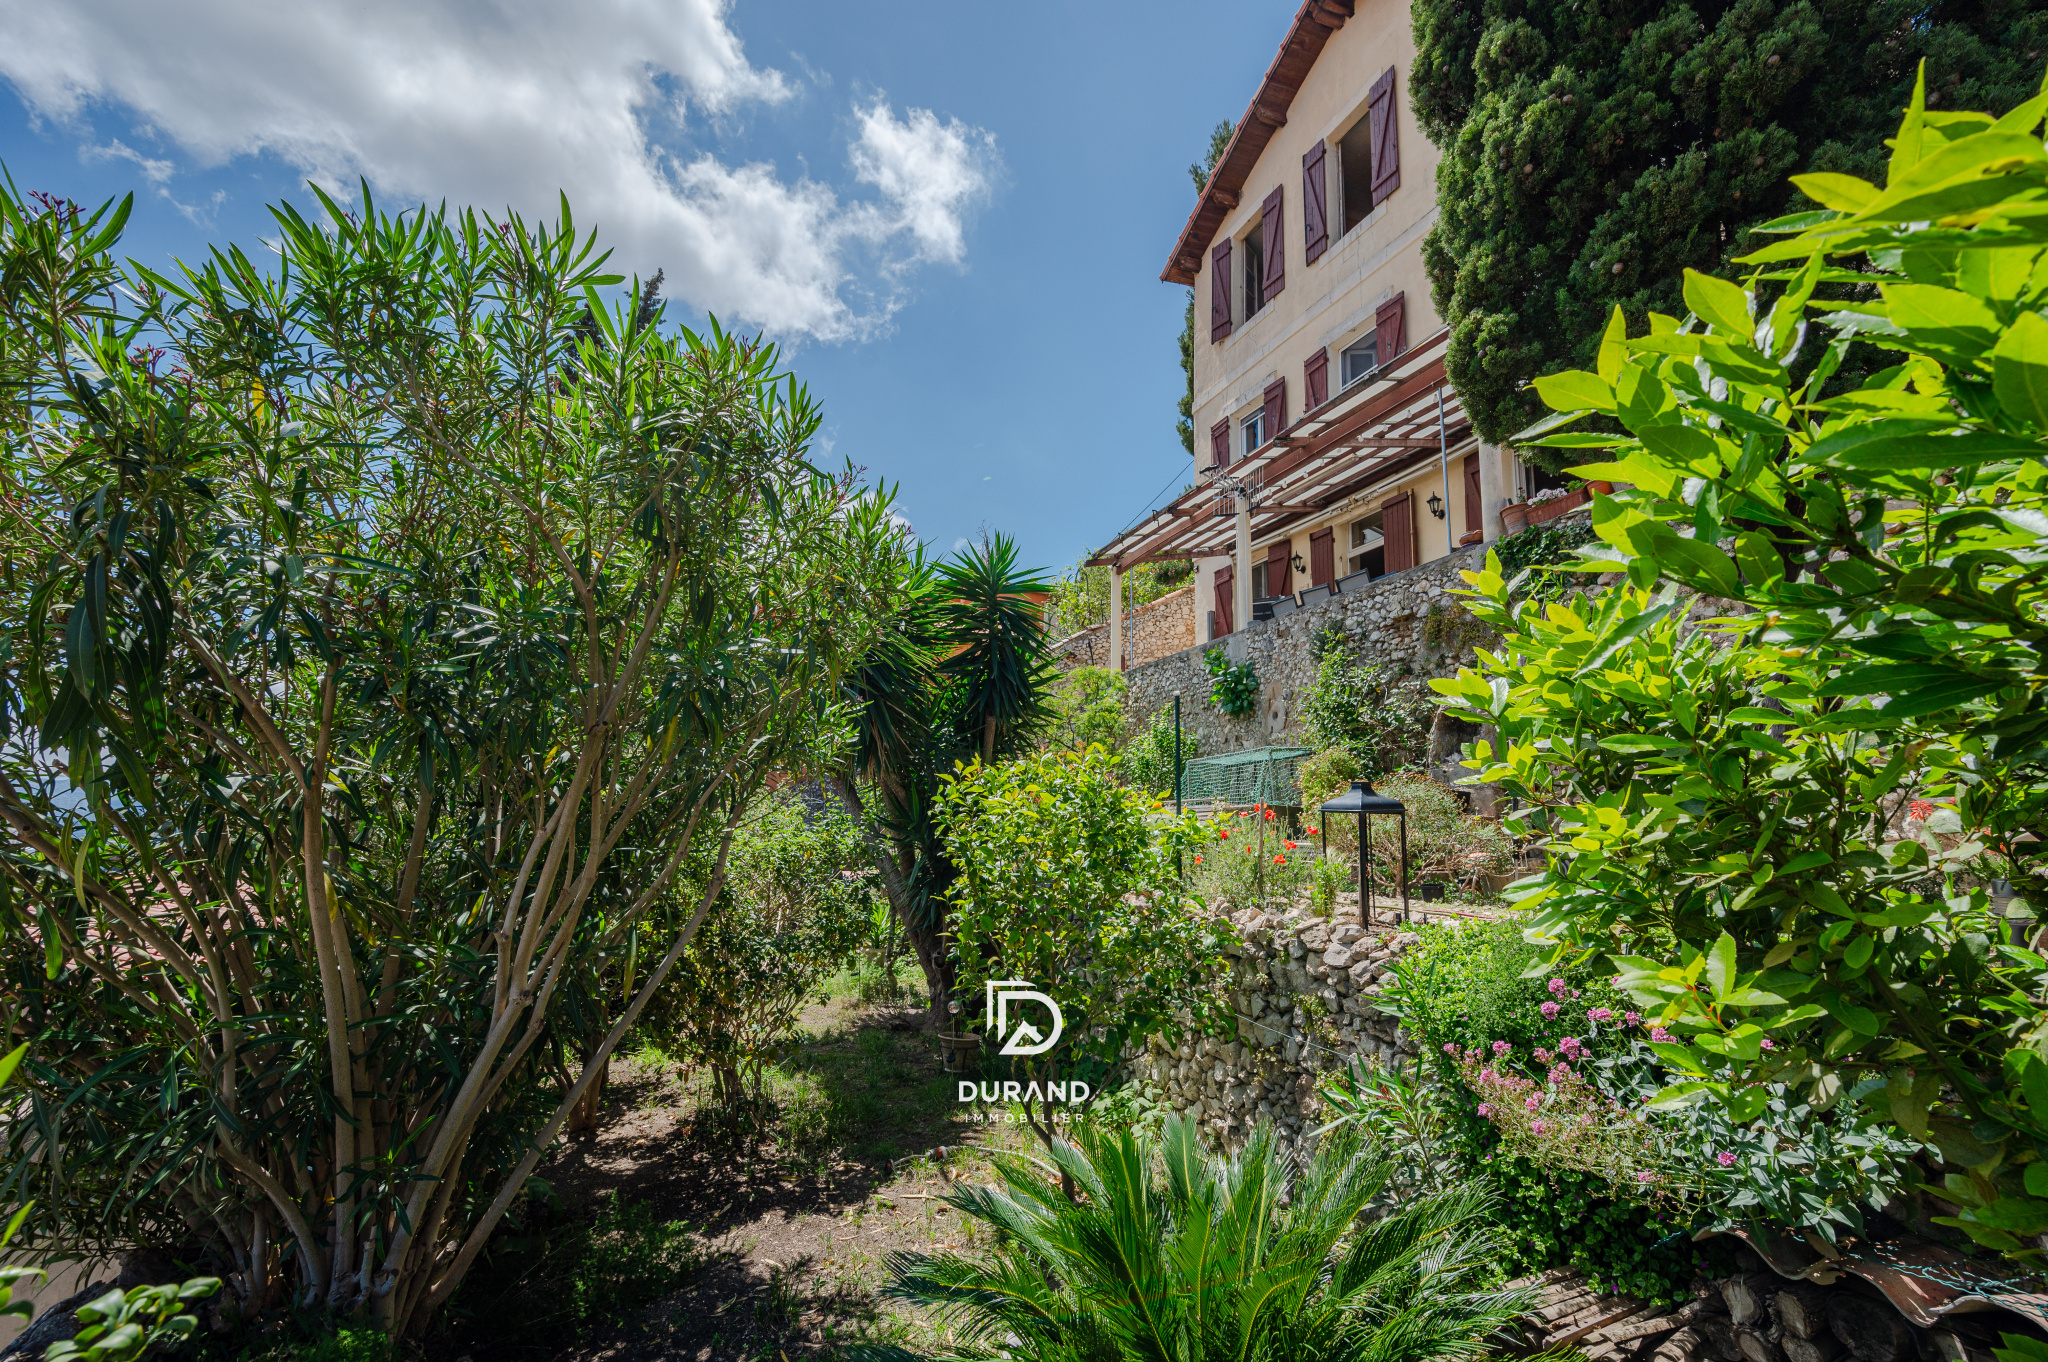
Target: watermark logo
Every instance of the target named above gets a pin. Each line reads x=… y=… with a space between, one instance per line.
x=1024 y=1038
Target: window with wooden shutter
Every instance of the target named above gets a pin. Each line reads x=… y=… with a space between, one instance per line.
x=1397 y=524
x=1386 y=137
x=1219 y=292
x=1276 y=408
x=1322 y=558
x=1280 y=568
x=1275 y=277
x=1391 y=325
x=1219 y=443
x=1226 y=578
x=1315 y=381
x=1315 y=203
x=1475 y=518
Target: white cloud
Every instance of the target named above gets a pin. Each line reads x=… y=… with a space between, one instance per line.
x=498 y=102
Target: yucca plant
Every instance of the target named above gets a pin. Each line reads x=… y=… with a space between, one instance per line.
x=1173 y=1255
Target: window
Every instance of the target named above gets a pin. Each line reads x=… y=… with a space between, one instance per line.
x=1254 y=271
x=1360 y=358
x=1254 y=429
x=1258 y=581
x=1368 y=546
x=1354 y=172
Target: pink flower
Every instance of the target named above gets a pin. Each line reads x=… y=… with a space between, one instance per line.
x=1632 y=1019
x=1921 y=809
x=1501 y=1047
x=1768 y=1043
x=1542 y=1056
x=1557 y=988
x=1571 y=1047
x=1549 y=1011
x=1560 y=1073
x=1645 y=1177
x=1533 y=1102
x=1537 y=1127
x=1658 y=1033
x=1599 y=1014
x=1488 y=1076
x=1727 y=1160
x=1450 y=1049
x=1485 y=1110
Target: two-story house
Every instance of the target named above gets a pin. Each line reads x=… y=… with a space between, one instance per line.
x=1330 y=447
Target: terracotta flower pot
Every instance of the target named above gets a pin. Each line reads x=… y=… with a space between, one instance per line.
x=1514 y=519
x=1605 y=489
x=1550 y=510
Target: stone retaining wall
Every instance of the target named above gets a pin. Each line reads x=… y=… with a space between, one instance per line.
x=1388 y=621
x=1303 y=990
x=1153 y=630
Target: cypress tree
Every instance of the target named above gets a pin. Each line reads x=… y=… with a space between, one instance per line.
x=1593 y=149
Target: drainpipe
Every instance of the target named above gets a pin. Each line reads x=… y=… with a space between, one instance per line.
x=1443 y=442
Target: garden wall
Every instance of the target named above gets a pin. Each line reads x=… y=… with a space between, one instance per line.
x=1153 y=630
x=1388 y=621
x=1303 y=991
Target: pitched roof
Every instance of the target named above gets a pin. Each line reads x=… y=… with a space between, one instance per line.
x=1313 y=24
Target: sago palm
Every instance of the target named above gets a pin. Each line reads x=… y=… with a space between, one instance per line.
x=1208 y=1259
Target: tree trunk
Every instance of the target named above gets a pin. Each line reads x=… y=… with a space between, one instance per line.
x=927 y=940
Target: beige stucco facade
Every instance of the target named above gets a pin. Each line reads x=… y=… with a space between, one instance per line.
x=1336 y=301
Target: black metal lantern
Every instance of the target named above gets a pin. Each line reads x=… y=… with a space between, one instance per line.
x=1367 y=803
x=1436 y=505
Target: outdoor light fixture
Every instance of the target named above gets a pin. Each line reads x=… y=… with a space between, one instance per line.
x=1364 y=801
x=1436 y=505
x=1299 y=566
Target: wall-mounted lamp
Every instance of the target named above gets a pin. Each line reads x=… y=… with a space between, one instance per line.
x=1299 y=566
x=1436 y=505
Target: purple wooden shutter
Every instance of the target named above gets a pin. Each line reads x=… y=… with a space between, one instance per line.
x=1225 y=578
x=1280 y=568
x=1397 y=524
x=1219 y=443
x=1386 y=137
x=1276 y=407
x=1391 y=321
x=1315 y=381
x=1275 y=239
x=1474 y=521
x=1219 y=291
x=1322 y=558
x=1315 y=211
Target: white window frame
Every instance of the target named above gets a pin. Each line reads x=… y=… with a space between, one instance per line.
x=1251 y=432
x=1344 y=381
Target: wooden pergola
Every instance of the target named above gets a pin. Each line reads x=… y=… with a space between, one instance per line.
x=1402 y=415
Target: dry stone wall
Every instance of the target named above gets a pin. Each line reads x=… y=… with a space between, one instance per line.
x=1304 y=991
x=1388 y=621
x=1153 y=630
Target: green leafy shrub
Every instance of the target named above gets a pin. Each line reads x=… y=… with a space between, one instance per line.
x=1545 y=548
x=1088 y=709
x=1462 y=986
x=1754 y=887
x=1148 y=761
x=1445 y=844
x=1068 y=879
x=799 y=898
x=1240 y=1248
x=1381 y=720
x=1234 y=690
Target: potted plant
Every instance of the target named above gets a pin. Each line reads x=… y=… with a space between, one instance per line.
x=1514 y=519
x=1552 y=502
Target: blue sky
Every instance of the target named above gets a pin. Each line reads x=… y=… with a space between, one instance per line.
x=955 y=215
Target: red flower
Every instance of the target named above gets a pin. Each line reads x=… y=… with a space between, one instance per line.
x=1289 y=845
x=1312 y=831
x=1279 y=860
x=1921 y=809
x=1225 y=834
x=1269 y=815
x=1198 y=860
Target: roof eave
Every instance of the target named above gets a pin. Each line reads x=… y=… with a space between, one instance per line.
x=1313 y=24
